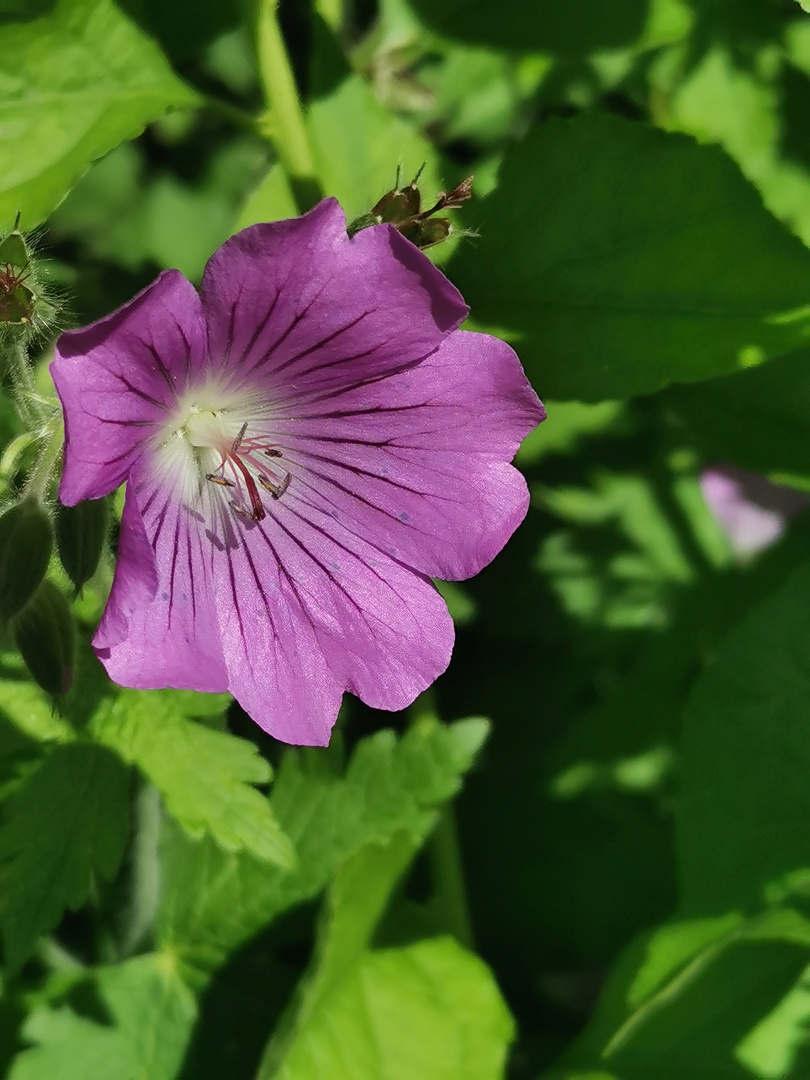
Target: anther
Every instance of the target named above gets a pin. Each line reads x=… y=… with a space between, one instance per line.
x=237 y=442
x=219 y=480
x=276 y=490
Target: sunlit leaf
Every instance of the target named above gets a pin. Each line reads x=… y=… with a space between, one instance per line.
x=205 y=776
x=73 y=84
x=430 y=1010
x=213 y=901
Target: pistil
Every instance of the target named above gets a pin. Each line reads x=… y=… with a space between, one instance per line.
x=240 y=462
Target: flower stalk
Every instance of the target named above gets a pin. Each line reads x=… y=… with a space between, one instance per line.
x=284 y=121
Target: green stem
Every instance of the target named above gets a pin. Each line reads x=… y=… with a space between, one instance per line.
x=39 y=478
x=14 y=353
x=146 y=869
x=284 y=120
x=236 y=116
x=448 y=878
x=57 y=958
x=443 y=849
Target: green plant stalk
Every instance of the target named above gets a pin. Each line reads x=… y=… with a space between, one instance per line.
x=444 y=851
x=14 y=356
x=284 y=121
x=448 y=878
x=146 y=869
x=39 y=478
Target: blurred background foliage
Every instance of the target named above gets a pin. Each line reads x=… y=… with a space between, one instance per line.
x=634 y=833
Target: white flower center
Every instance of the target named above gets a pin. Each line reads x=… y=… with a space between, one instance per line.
x=216 y=442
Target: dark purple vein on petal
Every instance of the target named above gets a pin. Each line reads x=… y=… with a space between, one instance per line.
x=175 y=555
x=232 y=324
x=352 y=555
x=164 y=371
x=355 y=496
x=268 y=350
x=325 y=341
x=306 y=396
x=138 y=392
x=191 y=583
x=356 y=470
x=257 y=333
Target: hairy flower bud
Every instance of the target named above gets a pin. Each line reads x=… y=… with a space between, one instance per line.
x=25 y=548
x=17 y=299
x=24 y=298
x=45 y=634
x=80 y=532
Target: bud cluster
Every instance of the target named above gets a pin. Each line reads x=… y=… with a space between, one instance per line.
x=34 y=612
x=402 y=208
x=25 y=301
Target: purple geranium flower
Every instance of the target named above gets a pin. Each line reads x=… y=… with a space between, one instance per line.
x=305 y=444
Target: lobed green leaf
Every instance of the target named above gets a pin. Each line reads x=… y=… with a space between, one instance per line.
x=205 y=776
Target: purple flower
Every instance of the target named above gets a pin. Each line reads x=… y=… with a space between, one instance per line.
x=305 y=443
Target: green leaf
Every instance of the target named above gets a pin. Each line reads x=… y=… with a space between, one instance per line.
x=28 y=709
x=205 y=776
x=272 y=200
x=681 y=999
x=357 y=161
x=357 y=899
x=67 y=822
x=579 y=26
x=756 y=418
x=654 y=262
x=151 y=1013
x=746 y=757
x=431 y=1010
x=213 y=901
x=73 y=85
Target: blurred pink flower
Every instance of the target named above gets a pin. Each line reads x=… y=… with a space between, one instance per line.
x=752 y=511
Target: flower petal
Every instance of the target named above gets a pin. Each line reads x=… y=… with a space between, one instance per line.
x=160 y=627
x=418 y=463
x=297 y=307
x=117 y=377
x=318 y=611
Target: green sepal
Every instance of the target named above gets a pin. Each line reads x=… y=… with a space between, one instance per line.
x=80 y=533
x=16 y=305
x=45 y=634
x=14 y=250
x=25 y=547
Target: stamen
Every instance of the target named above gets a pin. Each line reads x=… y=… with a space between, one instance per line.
x=276 y=490
x=237 y=442
x=219 y=480
x=240 y=467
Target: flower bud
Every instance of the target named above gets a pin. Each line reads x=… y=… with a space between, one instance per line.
x=80 y=533
x=401 y=207
x=17 y=299
x=46 y=637
x=25 y=548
